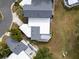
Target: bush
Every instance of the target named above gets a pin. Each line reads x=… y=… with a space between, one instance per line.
x=15 y=6
x=18 y=9
x=4 y=50
x=16 y=34
x=43 y=53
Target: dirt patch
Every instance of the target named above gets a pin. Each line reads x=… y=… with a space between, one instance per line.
x=63 y=26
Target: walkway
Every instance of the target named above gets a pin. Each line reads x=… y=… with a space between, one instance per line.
x=16 y=19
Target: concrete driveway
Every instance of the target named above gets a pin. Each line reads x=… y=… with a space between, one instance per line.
x=5 y=8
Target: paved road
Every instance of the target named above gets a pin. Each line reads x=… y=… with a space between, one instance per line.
x=5 y=8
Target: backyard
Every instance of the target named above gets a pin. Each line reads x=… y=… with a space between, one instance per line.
x=63 y=27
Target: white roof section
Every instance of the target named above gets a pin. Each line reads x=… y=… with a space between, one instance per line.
x=26 y=29
x=22 y=55
x=45 y=37
x=43 y=23
x=72 y=2
x=26 y=43
x=26 y=2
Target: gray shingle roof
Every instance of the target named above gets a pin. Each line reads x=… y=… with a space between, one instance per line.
x=39 y=5
x=39 y=8
x=37 y=13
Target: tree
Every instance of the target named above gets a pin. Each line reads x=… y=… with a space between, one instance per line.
x=43 y=53
x=16 y=4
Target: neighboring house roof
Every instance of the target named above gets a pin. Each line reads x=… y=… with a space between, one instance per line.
x=38 y=9
x=43 y=23
x=21 y=46
x=24 y=2
x=16 y=47
x=11 y=43
x=21 y=55
x=72 y=1
x=37 y=29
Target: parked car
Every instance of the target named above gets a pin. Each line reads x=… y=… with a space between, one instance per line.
x=71 y=3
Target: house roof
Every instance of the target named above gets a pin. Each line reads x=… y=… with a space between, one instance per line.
x=24 y=2
x=37 y=13
x=39 y=28
x=42 y=23
x=39 y=5
x=45 y=37
x=72 y=1
x=38 y=8
x=26 y=29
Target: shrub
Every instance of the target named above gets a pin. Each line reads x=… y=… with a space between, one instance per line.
x=16 y=34
x=43 y=53
x=18 y=9
x=4 y=50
